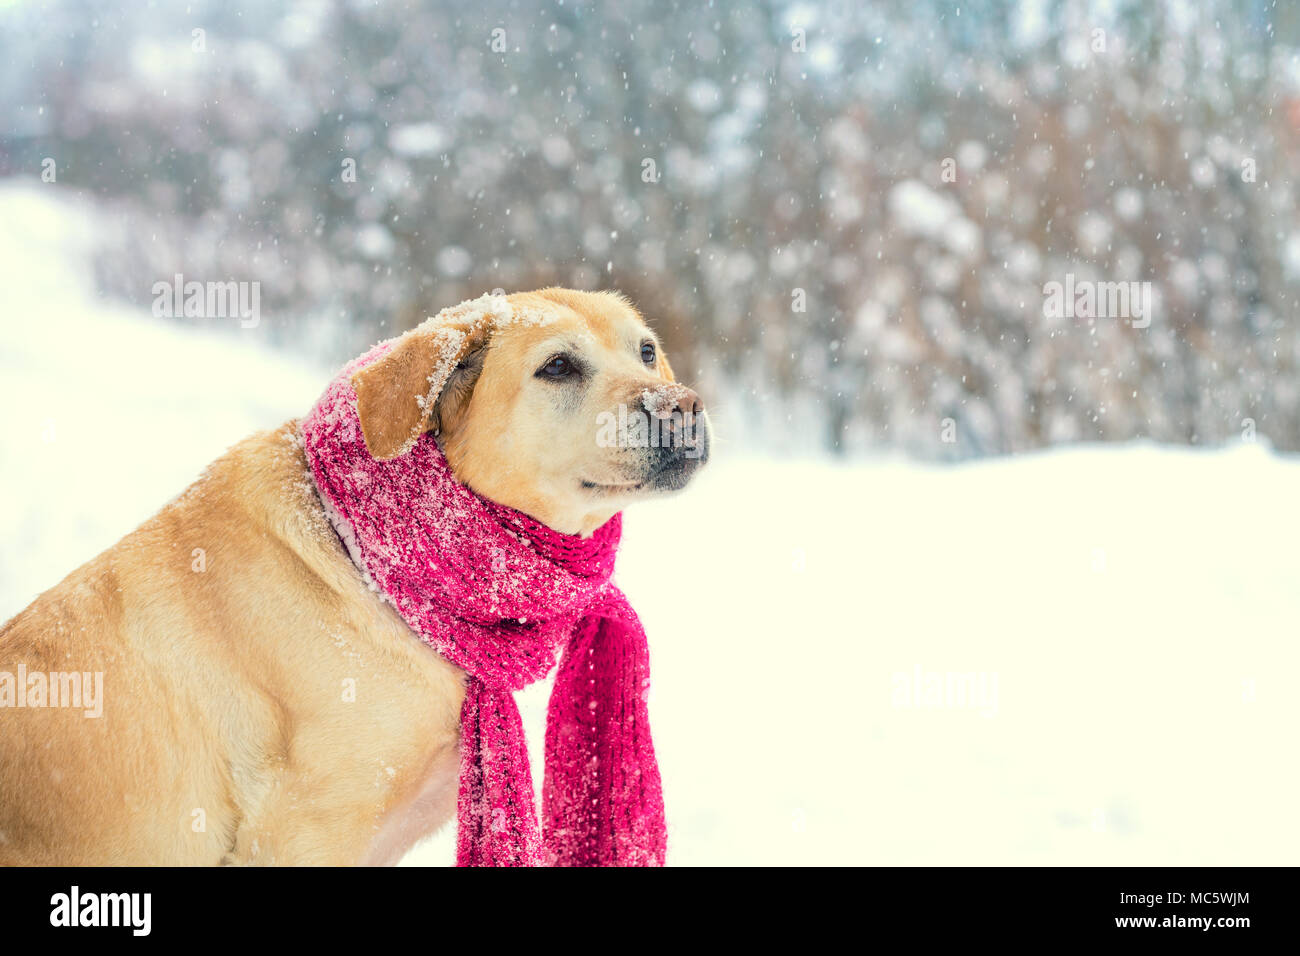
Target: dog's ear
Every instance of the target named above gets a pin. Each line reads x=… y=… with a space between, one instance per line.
x=425 y=378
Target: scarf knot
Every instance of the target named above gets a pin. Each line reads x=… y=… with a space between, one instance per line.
x=505 y=598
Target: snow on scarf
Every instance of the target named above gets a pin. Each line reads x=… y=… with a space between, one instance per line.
x=503 y=596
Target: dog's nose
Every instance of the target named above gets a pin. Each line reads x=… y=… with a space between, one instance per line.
x=688 y=403
x=682 y=424
x=671 y=400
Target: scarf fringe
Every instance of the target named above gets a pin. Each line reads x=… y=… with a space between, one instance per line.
x=602 y=795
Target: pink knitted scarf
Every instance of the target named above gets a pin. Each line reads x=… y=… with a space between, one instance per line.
x=502 y=596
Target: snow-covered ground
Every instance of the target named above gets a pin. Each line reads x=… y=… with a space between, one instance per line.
x=1084 y=656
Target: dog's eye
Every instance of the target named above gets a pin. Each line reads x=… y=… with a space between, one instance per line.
x=648 y=353
x=558 y=366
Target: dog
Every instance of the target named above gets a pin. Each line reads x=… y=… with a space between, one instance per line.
x=219 y=740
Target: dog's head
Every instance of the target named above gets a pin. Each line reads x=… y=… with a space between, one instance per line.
x=558 y=403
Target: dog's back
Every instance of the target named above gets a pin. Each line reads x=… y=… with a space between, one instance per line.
x=225 y=631
x=89 y=780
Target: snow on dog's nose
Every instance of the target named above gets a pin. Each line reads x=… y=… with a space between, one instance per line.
x=663 y=400
x=680 y=415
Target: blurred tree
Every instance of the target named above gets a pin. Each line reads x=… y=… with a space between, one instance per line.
x=842 y=216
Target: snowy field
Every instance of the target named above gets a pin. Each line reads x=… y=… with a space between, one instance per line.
x=1087 y=656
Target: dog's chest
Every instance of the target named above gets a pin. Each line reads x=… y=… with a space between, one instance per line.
x=432 y=806
x=404 y=728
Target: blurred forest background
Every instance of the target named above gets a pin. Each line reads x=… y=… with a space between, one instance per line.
x=841 y=216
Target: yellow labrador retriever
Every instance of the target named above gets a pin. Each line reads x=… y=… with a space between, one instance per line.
x=218 y=738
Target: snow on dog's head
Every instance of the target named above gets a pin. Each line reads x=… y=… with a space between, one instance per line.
x=558 y=403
